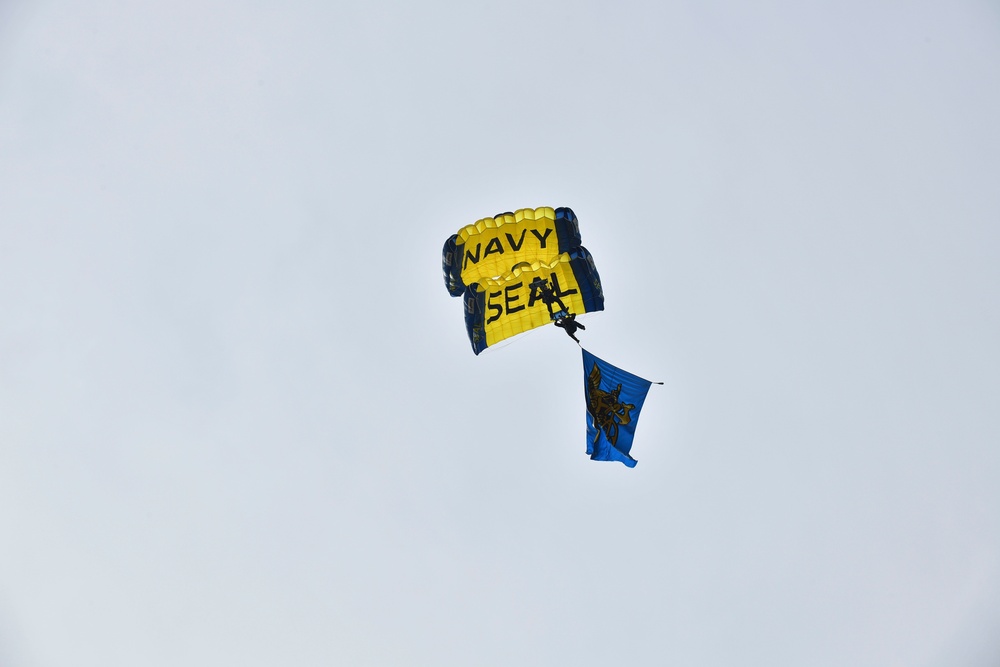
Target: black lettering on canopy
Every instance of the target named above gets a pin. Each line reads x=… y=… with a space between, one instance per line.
x=542 y=237
x=494 y=306
x=537 y=287
x=508 y=299
x=520 y=242
x=555 y=286
x=469 y=255
x=493 y=247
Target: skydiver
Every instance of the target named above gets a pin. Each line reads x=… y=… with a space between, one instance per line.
x=569 y=325
x=562 y=318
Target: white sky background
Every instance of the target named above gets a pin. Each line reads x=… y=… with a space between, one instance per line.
x=240 y=422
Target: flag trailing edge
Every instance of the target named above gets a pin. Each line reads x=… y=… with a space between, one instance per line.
x=614 y=399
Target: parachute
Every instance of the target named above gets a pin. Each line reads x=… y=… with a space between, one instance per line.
x=511 y=268
x=517 y=271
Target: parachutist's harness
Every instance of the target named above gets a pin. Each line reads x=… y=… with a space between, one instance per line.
x=562 y=318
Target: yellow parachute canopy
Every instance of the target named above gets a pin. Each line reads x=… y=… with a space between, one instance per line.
x=493 y=246
x=498 y=263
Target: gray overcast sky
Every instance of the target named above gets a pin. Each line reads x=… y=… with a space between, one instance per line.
x=240 y=422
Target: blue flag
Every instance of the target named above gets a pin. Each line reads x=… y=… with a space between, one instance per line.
x=614 y=399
